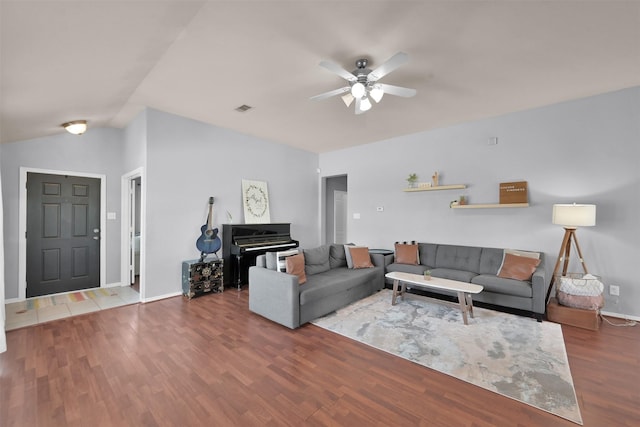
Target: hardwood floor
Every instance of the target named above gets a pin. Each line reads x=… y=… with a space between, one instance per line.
x=209 y=362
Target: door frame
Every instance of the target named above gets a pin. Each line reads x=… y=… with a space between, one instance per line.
x=22 y=224
x=125 y=248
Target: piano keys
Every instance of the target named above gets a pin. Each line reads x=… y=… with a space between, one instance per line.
x=242 y=243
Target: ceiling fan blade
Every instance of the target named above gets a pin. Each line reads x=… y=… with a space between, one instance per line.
x=331 y=93
x=388 y=66
x=335 y=68
x=398 y=90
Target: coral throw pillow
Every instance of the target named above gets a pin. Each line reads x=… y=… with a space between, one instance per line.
x=295 y=266
x=407 y=254
x=360 y=257
x=518 y=267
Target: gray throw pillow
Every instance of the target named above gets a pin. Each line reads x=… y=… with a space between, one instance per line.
x=316 y=260
x=337 y=257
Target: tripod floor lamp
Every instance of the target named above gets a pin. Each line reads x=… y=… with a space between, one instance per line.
x=570 y=216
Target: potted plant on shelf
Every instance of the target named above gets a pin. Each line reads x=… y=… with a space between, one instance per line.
x=427 y=275
x=412 y=180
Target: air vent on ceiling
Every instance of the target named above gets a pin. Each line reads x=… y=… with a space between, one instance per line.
x=243 y=108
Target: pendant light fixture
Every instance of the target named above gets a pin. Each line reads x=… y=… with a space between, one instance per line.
x=76 y=127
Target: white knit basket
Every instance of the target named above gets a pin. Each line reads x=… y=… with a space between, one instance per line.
x=580 y=284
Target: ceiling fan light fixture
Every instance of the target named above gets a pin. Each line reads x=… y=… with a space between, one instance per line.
x=376 y=93
x=365 y=104
x=357 y=90
x=76 y=127
x=347 y=99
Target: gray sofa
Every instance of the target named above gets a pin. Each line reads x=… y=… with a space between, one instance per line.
x=480 y=266
x=330 y=285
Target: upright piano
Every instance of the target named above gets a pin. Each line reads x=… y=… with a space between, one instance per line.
x=242 y=243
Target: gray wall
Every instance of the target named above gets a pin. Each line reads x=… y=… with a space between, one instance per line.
x=98 y=151
x=584 y=151
x=188 y=161
x=134 y=145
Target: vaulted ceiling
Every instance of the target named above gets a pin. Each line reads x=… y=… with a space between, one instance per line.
x=104 y=61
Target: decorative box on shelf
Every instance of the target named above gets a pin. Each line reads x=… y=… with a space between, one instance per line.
x=201 y=276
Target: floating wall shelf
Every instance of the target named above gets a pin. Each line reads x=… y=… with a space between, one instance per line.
x=439 y=187
x=491 y=206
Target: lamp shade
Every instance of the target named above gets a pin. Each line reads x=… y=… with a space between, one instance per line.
x=574 y=215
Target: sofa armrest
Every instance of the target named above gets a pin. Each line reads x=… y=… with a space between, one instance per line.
x=539 y=284
x=274 y=295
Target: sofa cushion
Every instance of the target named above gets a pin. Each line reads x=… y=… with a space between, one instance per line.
x=334 y=281
x=465 y=258
x=492 y=283
x=407 y=268
x=453 y=274
x=406 y=254
x=427 y=253
x=337 y=256
x=295 y=265
x=490 y=261
x=518 y=267
x=360 y=257
x=316 y=260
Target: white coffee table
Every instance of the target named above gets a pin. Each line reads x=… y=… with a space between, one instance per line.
x=463 y=289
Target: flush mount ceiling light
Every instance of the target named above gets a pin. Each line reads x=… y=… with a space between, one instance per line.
x=363 y=82
x=76 y=127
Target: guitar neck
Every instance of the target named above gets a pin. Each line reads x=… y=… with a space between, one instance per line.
x=210 y=219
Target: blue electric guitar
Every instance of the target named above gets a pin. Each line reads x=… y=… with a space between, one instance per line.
x=208 y=242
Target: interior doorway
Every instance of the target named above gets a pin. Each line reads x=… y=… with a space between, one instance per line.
x=339 y=216
x=335 y=211
x=132 y=270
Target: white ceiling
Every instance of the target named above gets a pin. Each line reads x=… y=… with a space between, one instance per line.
x=104 y=61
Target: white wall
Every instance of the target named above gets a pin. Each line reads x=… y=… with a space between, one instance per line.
x=189 y=161
x=583 y=151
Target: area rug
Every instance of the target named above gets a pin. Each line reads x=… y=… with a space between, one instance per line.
x=515 y=356
x=58 y=299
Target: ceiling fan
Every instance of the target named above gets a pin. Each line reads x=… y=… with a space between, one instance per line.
x=363 y=82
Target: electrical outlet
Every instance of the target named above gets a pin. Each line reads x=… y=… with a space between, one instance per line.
x=380 y=209
x=614 y=290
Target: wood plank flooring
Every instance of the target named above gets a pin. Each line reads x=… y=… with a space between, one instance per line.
x=210 y=362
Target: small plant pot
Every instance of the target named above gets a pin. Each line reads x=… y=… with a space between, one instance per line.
x=427 y=277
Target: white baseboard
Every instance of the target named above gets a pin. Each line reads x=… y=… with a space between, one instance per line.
x=12 y=300
x=620 y=316
x=171 y=295
x=114 y=285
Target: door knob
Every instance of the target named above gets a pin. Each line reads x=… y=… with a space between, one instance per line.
x=96 y=230
x=96 y=237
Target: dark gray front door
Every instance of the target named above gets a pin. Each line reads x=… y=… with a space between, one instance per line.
x=63 y=233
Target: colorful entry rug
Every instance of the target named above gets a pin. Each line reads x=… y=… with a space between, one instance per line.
x=48 y=301
x=515 y=356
